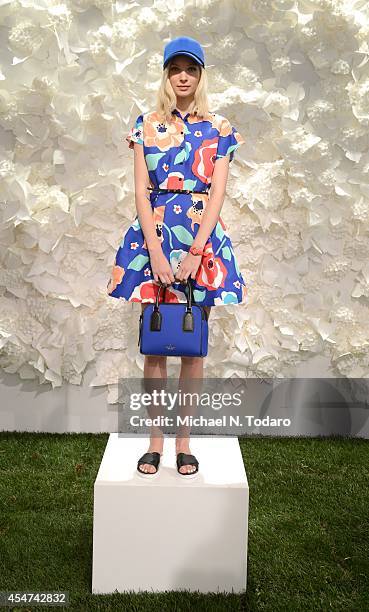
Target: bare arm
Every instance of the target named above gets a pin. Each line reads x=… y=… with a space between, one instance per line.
x=143 y=206
x=190 y=264
x=214 y=205
x=160 y=266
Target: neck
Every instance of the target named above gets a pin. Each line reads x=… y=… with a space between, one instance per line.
x=184 y=103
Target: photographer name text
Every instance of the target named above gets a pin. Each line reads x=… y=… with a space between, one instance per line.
x=202 y=421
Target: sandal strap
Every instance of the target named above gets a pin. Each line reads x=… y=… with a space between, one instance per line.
x=186 y=459
x=150 y=458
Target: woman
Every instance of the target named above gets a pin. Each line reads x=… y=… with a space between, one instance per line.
x=180 y=146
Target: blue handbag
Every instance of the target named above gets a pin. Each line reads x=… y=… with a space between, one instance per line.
x=174 y=328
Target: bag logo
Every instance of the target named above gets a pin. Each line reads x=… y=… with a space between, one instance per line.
x=170 y=347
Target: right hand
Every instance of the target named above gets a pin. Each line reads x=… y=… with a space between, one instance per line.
x=161 y=267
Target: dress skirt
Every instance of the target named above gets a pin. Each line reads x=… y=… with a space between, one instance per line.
x=177 y=218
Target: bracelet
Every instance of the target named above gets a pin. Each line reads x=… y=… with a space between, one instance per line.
x=196 y=250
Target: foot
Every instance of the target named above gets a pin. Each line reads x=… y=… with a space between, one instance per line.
x=182 y=446
x=155 y=447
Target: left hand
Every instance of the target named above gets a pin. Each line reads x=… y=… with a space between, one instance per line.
x=188 y=267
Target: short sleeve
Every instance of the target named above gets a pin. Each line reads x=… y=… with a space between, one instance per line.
x=136 y=133
x=229 y=140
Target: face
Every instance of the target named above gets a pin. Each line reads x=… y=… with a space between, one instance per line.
x=184 y=75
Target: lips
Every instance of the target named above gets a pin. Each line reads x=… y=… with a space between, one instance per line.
x=181 y=87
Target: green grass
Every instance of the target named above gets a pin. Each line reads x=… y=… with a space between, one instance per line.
x=308 y=525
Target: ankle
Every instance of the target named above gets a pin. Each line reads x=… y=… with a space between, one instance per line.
x=156 y=446
x=183 y=446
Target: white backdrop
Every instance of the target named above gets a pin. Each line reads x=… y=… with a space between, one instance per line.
x=293 y=78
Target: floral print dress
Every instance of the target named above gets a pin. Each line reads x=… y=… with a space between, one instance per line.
x=180 y=155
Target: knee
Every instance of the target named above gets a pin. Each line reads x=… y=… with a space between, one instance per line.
x=156 y=359
x=191 y=360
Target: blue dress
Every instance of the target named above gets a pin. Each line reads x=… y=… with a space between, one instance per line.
x=180 y=155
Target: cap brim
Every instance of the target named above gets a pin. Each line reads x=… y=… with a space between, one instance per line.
x=191 y=55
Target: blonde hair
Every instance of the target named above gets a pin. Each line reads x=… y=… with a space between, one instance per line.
x=167 y=100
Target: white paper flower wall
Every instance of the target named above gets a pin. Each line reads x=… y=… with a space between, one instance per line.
x=293 y=77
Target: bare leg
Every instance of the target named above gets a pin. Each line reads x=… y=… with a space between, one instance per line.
x=155 y=366
x=191 y=368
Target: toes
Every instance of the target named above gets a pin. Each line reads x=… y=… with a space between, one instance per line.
x=146 y=467
x=186 y=469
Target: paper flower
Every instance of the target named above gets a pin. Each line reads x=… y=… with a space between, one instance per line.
x=296 y=206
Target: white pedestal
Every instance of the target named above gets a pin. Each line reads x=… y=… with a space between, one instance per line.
x=169 y=533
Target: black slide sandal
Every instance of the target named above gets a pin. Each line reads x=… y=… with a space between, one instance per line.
x=187 y=459
x=151 y=459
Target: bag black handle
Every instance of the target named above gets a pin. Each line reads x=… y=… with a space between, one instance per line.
x=189 y=295
x=188 y=318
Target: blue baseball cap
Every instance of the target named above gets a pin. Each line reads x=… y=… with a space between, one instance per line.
x=184 y=45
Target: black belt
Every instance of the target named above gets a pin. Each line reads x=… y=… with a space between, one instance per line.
x=159 y=190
